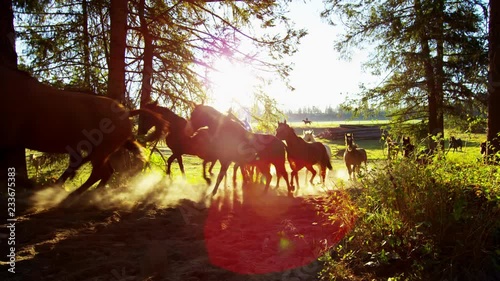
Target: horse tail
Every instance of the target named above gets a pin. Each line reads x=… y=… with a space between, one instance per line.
x=136 y=148
x=365 y=158
x=326 y=160
x=161 y=125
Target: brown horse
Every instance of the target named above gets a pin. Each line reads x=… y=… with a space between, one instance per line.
x=180 y=142
x=40 y=117
x=408 y=148
x=353 y=156
x=303 y=154
x=232 y=143
x=455 y=144
x=307 y=121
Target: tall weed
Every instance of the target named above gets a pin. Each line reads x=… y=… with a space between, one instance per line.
x=423 y=222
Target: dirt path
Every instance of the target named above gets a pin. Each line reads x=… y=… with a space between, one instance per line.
x=158 y=231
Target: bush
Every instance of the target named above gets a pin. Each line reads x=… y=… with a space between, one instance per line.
x=434 y=222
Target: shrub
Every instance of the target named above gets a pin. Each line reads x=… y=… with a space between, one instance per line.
x=434 y=222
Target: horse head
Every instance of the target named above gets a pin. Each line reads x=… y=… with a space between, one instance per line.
x=203 y=115
x=309 y=136
x=483 y=147
x=349 y=141
x=283 y=130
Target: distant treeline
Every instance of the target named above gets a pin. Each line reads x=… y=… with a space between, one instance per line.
x=330 y=113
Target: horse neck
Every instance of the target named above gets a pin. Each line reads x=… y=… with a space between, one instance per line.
x=292 y=139
x=351 y=146
x=170 y=116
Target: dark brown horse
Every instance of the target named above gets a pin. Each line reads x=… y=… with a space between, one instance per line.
x=408 y=148
x=353 y=156
x=232 y=143
x=303 y=154
x=40 y=117
x=307 y=121
x=455 y=144
x=180 y=142
x=392 y=148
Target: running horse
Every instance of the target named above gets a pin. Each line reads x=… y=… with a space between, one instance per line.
x=455 y=144
x=309 y=137
x=40 y=117
x=303 y=154
x=230 y=142
x=408 y=148
x=353 y=156
x=180 y=142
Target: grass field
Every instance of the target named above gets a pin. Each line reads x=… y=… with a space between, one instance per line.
x=410 y=222
x=376 y=151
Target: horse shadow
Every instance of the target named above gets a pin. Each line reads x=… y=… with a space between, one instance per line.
x=188 y=240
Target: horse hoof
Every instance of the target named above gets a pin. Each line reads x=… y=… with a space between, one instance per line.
x=69 y=201
x=290 y=194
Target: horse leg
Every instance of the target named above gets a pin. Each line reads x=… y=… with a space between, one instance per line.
x=355 y=170
x=181 y=165
x=70 y=172
x=235 y=171
x=349 y=171
x=311 y=168
x=95 y=176
x=212 y=167
x=295 y=176
x=169 y=162
x=106 y=172
x=265 y=170
x=207 y=179
x=224 y=165
x=323 y=174
x=281 y=172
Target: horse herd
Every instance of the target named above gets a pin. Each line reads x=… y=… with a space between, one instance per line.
x=89 y=128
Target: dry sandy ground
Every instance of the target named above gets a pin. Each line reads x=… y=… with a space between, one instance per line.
x=159 y=229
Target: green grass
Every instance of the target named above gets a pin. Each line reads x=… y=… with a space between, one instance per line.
x=376 y=151
x=332 y=124
x=415 y=222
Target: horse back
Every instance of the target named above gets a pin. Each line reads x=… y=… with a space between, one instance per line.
x=47 y=119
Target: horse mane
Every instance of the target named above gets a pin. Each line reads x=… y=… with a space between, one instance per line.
x=165 y=112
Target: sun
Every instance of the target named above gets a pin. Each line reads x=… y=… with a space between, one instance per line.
x=232 y=85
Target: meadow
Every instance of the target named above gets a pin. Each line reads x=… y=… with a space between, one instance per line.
x=407 y=221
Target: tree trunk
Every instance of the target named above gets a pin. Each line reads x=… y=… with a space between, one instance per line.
x=8 y=56
x=86 y=47
x=494 y=79
x=147 y=72
x=116 y=76
x=11 y=157
x=434 y=96
x=439 y=70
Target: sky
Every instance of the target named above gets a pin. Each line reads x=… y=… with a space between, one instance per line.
x=320 y=77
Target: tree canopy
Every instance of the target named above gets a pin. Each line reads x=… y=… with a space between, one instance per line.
x=431 y=53
x=174 y=43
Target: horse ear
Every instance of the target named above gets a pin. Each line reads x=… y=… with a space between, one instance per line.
x=284 y=121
